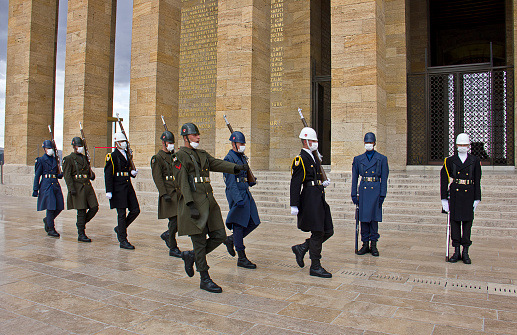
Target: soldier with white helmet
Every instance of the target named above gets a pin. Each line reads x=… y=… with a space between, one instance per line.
x=309 y=204
x=460 y=191
x=119 y=190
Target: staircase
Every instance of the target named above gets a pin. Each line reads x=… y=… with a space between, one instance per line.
x=412 y=202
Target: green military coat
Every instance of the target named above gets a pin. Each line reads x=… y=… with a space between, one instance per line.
x=203 y=197
x=162 y=168
x=75 y=172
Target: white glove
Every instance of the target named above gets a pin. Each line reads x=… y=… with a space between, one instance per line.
x=445 y=205
x=476 y=203
x=294 y=210
x=134 y=172
x=108 y=195
x=326 y=183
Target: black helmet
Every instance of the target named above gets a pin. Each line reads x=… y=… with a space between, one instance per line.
x=167 y=136
x=237 y=136
x=369 y=137
x=77 y=142
x=47 y=144
x=188 y=129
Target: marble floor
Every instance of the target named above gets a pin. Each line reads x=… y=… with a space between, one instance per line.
x=61 y=286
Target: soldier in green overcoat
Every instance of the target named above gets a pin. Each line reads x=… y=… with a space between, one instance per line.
x=81 y=195
x=198 y=212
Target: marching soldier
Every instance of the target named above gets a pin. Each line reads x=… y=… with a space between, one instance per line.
x=162 y=169
x=199 y=214
x=81 y=195
x=119 y=189
x=48 y=190
x=463 y=173
x=243 y=215
x=373 y=169
x=309 y=204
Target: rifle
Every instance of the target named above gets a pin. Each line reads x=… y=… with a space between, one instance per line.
x=315 y=153
x=448 y=236
x=129 y=151
x=356 y=228
x=86 y=151
x=164 y=124
x=251 y=177
x=56 y=153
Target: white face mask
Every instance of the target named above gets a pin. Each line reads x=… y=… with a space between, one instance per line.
x=170 y=147
x=122 y=145
x=50 y=152
x=242 y=148
x=313 y=146
x=368 y=146
x=194 y=145
x=463 y=150
x=80 y=150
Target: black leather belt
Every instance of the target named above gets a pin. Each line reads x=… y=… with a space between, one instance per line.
x=370 y=179
x=122 y=174
x=312 y=183
x=49 y=176
x=81 y=176
x=242 y=180
x=202 y=179
x=463 y=181
x=169 y=178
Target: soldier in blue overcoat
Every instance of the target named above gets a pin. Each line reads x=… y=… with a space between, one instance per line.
x=373 y=169
x=47 y=189
x=243 y=216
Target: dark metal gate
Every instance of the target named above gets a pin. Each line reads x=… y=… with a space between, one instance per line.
x=445 y=101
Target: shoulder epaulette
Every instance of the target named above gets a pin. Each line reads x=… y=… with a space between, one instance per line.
x=153 y=159
x=109 y=158
x=446 y=170
x=296 y=162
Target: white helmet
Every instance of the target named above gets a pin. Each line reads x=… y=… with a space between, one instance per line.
x=462 y=139
x=308 y=133
x=119 y=137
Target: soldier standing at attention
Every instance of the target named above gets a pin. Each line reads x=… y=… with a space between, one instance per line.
x=162 y=168
x=119 y=189
x=310 y=205
x=373 y=169
x=463 y=173
x=48 y=191
x=199 y=214
x=81 y=195
x=243 y=215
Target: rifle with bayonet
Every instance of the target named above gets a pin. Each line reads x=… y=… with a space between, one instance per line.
x=129 y=151
x=251 y=178
x=164 y=124
x=56 y=153
x=91 y=174
x=315 y=153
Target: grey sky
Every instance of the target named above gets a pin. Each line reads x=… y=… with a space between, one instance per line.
x=122 y=64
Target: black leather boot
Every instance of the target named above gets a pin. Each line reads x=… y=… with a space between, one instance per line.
x=165 y=237
x=124 y=244
x=465 y=255
x=188 y=258
x=175 y=252
x=364 y=249
x=244 y=262
x=299 y=251
x=45 y=224
x=207 y=284
x=229 y=245
x=373 y=249
x=456 y=256
x=81 y=236
x=318 y=271
x=53 y=233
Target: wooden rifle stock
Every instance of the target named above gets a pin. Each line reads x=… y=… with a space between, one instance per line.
x=129 y=151
x=315 y=153
x=251 y=177
x=86 y=151
x=56 y=153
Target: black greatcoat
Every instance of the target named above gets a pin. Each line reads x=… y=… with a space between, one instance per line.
x=123 y=193
x=462 y=196
x=314 y=212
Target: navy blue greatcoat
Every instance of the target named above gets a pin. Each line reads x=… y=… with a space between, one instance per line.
x=370 y=208
x=237 y=191
x=50 y=196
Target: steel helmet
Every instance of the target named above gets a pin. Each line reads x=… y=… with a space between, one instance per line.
x=119 y=137
x=167 y=136
x=308 y=133
x=189 y=129
x=463 y=139
x=47 y=144
x=237 y=136
x=369 y=137
x=77 y=142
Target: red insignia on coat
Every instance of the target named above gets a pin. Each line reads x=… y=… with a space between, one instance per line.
x=178 y=167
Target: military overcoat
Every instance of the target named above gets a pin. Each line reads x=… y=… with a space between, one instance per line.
x=117 y=179
x=370 y=191
x=202 y=196
x=313 y=210
x=50 y=196
x=162 y=169
x=461 y=194
x=76 y=174
x=237 y=189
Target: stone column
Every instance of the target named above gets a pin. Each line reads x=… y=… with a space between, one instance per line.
x=89 y=66
x=243 y=77
x=154 y=75
x=358 y=78
x=30 y=77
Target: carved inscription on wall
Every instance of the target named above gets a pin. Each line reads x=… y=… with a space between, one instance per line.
x=277 y=65
x=198 y=66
